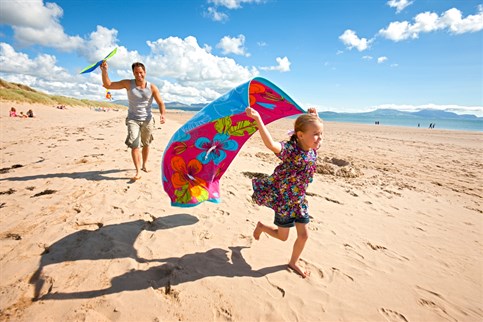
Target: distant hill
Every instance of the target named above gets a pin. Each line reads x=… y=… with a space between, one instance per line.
x=439 y=114
x=427 y=113
x=170 y=105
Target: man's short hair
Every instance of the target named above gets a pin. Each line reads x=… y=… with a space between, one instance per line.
x=138 y=64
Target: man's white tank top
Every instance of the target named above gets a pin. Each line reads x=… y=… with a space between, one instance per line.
x=140 y=100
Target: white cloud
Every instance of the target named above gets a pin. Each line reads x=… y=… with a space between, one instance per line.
x=215 y=15
x=184 y=71
x=101 y=42
x=43 y=66
x=31 y=13
x=234 y=45
x=233 y=4
x=43 y=74
x=283 y=65
x=458 y=25
x=192 y=65
x=36 y=23
x=174 y=92
x=450 y=20
x=381 y=59
x=351 y=40
x=399 y=4
x=187 y=72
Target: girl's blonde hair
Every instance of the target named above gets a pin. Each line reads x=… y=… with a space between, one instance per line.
x=303 y=121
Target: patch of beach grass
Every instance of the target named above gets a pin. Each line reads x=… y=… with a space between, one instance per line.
x=23 y=94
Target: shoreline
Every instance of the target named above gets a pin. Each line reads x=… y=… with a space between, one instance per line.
x=19 y=105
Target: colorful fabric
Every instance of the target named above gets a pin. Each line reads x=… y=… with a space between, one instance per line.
x=199 y=153
x=284 y=191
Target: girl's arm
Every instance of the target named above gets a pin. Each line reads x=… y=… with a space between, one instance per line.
x=275 y=147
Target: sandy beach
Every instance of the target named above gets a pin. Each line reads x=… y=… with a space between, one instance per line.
x=396 y=233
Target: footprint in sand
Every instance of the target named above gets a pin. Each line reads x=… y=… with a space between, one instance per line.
x=314 y=270
x=336 y=273
x=224 y=313
x=387 y=252
x=279 y=291
x=351 y=250
x=201 y=236
x=6 y=170
x=439 y=305
x=246 y=240
x=8 y=192
x=392 y=316
x=438 y=309
x=13 y=236
x=169 y=291
x=333 y=200
x=45 y=192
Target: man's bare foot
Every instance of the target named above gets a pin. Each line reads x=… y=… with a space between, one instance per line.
x=144 y=169
x=258 y=231
x=299 y=270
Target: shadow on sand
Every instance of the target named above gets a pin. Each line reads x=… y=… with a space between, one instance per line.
x=88 y=175
x=175 y=271
x=106 y=242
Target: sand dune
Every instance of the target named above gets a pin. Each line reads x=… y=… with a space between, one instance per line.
x=396 y=235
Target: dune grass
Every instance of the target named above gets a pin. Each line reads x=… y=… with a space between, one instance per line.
x=23 y=94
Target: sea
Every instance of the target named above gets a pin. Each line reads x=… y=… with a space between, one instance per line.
x=413 y=121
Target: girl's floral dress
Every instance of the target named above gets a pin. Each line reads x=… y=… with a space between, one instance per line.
x=284 y=191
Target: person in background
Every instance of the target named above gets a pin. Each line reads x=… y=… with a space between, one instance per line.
x=140 y=122
x=13 y=112
x=30 y=113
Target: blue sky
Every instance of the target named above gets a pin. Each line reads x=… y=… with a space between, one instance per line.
x=335 y=55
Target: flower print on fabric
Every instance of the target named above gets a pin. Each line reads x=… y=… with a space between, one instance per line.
x=214 y=150
x=188 y=185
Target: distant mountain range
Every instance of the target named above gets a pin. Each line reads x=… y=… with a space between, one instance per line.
x=384 y=113
x=170 y=105
x=379 y=113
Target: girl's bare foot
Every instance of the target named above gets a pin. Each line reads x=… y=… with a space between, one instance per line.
x=144 y=169
x=258 y=231
x=299 y=270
